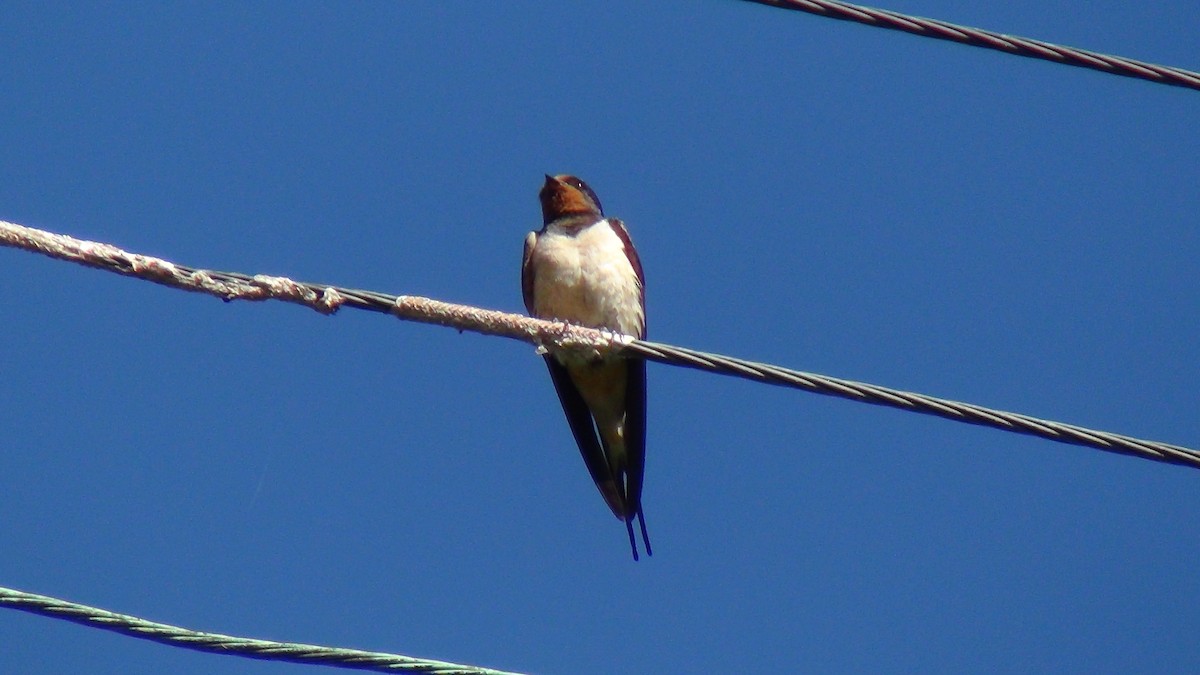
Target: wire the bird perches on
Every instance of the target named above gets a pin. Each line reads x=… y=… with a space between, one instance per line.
x=555 y=335
x=215 y=643
x=977 y=37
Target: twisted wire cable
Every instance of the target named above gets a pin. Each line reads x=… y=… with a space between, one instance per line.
x=929 y=405
x=556 y=336
x=215 y=643
x=978 y=37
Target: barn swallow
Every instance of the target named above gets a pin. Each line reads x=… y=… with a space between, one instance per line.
x=582 y=268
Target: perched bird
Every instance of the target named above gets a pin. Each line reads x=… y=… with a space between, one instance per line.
x=582 y=268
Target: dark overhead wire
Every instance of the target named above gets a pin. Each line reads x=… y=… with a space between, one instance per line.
x=978 y=37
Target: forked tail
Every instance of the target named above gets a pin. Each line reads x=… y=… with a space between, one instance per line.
x=641 y=518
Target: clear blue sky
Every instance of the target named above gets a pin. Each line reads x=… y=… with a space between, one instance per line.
x=817 y=194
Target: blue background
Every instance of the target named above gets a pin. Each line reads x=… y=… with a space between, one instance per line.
x=813 y=193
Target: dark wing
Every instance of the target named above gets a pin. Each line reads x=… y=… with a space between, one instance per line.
x=580 y=419
x=527 y=272
x=635 y=390
x=635 y=407
x=635 y=434
x=631 y=253
x=635 y=450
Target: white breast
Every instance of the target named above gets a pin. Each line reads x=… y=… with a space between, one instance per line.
x=587 y=279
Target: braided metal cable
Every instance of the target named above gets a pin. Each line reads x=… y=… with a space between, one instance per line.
x=929 y=405
x=978 y=37
x=554 y=335
x=215 y=643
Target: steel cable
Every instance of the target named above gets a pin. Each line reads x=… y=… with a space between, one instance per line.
x=215 y=643
x=978 y=37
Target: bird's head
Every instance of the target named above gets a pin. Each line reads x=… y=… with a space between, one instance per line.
x=565 y=195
